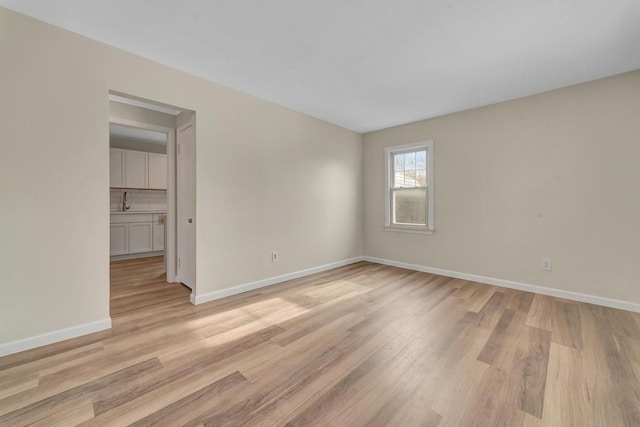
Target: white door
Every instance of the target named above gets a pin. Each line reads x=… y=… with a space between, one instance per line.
x=186 y=205
x=136 y=169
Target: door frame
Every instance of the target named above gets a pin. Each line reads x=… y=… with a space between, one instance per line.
x=171 y=253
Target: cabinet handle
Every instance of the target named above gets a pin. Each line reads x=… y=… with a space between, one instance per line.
x=190 y=220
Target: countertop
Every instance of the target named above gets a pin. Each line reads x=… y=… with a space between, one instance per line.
x=137 y=212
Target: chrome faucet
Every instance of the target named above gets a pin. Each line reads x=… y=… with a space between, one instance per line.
x=125 y=203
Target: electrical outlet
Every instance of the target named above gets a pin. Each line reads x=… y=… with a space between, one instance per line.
x=546 y=264
x=274 y=257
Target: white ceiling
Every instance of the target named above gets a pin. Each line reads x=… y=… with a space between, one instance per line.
x=144 y=135
x=368 y=64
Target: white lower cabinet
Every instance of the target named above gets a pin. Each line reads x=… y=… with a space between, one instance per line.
x=140 y=237
x=134 y=233
x=158 y=231
x=119 y=237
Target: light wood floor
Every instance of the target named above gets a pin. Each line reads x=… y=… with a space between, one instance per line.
x=364 y=344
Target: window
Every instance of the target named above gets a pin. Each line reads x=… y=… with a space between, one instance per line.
x=409 y=187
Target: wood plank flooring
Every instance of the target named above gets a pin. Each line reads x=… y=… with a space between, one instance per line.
x=364 y=344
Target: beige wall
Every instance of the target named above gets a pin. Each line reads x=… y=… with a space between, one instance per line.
x=267 y=178
x=554 y=175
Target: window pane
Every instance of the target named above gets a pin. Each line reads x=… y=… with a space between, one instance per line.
x=410 y=206
x=409 y=179
x=409 y=161
x=398 y=180
x=399 y=162
x=421 y=160
x=421 y=178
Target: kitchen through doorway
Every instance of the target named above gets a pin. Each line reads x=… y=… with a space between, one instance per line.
x=151 y=189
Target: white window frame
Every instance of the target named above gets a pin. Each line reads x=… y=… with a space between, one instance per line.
x=388 y=160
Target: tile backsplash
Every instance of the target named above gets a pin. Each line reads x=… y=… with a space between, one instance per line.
x=139 y=200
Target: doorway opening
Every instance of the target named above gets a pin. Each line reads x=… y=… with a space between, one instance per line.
x=152 y=197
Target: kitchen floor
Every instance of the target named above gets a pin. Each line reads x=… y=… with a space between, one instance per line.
x=141 y=284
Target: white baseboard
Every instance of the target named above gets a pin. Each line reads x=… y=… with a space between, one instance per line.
x=211 y=296
x=53 y=337
x=575 y=296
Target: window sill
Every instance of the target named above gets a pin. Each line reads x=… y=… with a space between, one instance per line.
x=415 y=230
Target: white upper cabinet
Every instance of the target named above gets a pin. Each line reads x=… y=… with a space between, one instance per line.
x=158 y=171
x=116 y=167
x=136 y=169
